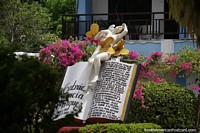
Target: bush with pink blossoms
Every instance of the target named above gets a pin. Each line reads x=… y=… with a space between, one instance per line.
x=63 y=53
x=159 y=67
x=186 y=66
x=155 y=57
x=188 y=60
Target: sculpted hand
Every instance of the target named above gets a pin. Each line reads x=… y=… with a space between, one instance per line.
x=91 y=60
x=123 y=25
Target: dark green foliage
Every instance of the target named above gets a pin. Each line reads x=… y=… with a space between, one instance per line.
x=39 y=1
x=29 y=91
x=120 y=128
x=168 y=105
x=58 y=7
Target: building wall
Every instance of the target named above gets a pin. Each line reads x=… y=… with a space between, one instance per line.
x=158 y=6
x=146 y=47
x=100 y=6
x=84 y=7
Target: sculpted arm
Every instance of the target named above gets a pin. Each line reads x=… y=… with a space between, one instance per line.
x=102 y=34
x=120 y=36
x=125 y=31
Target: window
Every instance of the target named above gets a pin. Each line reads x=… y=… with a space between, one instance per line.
x=130 y=6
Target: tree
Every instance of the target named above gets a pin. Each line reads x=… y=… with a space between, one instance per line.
x=187 y=14
x=30 y=1
x=25 y=24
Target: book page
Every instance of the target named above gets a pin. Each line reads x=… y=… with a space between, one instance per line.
x=75 y=83
x=112 y=91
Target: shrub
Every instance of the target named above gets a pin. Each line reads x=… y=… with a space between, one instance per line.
x=120 y=128
x=160 y=67
x=29 y=92
x=168 y=105
x=189 y=61
x=144 y=127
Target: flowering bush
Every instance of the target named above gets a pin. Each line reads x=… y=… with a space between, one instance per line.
x=189 y=60
x=159 y=67
x=63 y=53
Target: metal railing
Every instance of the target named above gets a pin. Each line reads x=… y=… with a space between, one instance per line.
x=145 y=26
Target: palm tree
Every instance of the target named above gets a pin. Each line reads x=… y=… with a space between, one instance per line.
x=187 y=14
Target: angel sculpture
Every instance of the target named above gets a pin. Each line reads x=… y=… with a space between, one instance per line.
x=111 y=44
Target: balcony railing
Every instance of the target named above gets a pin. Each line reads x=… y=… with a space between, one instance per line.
x=152 y=25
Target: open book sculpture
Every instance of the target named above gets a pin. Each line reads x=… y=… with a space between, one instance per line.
x=102 y=91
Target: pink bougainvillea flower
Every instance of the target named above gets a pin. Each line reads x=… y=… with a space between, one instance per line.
x=143 y=64
x=171 y=59
x=142 y=102
x=78 y=54
x=65 y=42
x=196 y=87
x=149 y=74
x=155 y=56
x=158 y=54
x=71 y=56
x=74 y=48
x=137 y=93
x=186 y=66
x=158 y=80
x=91 y=40
x=133 y=55
x=139 y=86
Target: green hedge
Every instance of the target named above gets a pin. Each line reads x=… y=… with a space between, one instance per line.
x=168 y=105
x=121 y=128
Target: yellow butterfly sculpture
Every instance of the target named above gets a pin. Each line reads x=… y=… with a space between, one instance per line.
x=94 y=29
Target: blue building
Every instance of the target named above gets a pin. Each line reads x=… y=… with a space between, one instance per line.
x=150 y=28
